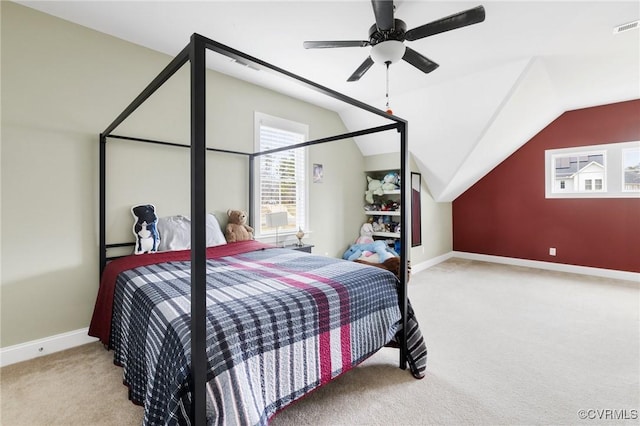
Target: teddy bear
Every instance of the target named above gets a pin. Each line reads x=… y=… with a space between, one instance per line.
x=237 y=228
x=374 y=188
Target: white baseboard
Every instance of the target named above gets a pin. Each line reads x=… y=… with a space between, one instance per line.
x=561 y=267
x=46 y=346
x=429 y=263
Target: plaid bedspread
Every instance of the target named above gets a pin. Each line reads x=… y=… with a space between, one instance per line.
x=280 y=323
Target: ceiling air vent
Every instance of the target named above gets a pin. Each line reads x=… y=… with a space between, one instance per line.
x=245 y=64
x=626 y=27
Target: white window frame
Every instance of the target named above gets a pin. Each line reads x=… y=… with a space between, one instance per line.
x=613 y=179
x=302 y=220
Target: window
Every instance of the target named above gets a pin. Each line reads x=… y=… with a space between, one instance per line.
x=281 y=182
x=631 y=170
x=611 y=170
x=576 y=172
x=587 y=185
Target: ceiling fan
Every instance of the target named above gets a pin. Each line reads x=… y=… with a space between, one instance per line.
x=387 y=37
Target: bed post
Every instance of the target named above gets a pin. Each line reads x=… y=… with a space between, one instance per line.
x=175 y=64
x=103 y=220
x=198 y=414
x=252 y=216
x=404 y=240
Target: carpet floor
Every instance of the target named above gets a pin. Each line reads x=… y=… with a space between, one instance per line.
x=507 y=345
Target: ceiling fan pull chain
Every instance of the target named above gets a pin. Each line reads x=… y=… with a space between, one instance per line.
x=389 y=111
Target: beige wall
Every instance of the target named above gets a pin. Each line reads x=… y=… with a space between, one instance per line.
x=62 y=84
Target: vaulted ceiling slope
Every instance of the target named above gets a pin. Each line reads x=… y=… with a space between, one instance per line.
x=499 y=82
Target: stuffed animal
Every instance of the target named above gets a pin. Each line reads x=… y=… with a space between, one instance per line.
x=374 y=188
x=391 y=181
x=366 y=234
x=390 y=206
x=378 y=247
x=237 y=228
x=145 y=229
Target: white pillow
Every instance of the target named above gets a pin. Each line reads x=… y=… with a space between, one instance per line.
x=175 y=233
x=215 y=237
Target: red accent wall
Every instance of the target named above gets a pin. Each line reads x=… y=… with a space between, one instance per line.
x=506 y=212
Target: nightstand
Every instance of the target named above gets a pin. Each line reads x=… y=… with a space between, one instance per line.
x=305 y=247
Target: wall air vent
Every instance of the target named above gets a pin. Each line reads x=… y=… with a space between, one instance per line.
x=626 y=27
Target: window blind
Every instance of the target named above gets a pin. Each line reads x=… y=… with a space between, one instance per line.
x=282 y=178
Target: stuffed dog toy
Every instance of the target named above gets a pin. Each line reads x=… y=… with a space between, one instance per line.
x=145 y=229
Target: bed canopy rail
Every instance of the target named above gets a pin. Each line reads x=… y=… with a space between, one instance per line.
x=194 y=53
x=271 y=151
x=105 y=257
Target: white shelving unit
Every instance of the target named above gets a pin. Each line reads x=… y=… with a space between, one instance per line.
x=388 y=195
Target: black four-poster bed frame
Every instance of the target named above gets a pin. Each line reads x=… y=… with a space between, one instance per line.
x=194 y=53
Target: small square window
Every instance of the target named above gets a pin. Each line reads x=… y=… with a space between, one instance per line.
x=587 y=185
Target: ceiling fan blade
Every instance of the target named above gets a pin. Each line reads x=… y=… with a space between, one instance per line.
x=383 y=10
x=423 y=63
x=326 y=44
x=458 y=20
x=364 y=67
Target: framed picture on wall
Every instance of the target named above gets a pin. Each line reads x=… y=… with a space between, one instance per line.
x=318 y=173
x=416 y=210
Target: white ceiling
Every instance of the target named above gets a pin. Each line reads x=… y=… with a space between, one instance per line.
x=499 y=82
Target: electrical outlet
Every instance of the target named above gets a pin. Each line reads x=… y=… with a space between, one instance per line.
x=552 y=251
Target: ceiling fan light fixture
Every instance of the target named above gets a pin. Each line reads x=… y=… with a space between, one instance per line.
x=388 y=51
